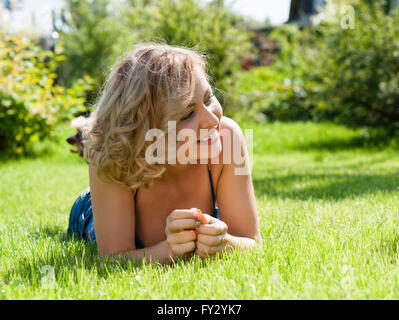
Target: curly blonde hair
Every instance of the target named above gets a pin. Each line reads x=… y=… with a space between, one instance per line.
x=146 y=88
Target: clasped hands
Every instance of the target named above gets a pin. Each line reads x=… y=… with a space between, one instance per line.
x=185 y=234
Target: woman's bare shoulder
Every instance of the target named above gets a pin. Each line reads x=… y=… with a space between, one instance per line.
x=232 y=139
x=229 y=124
x=235 y=193
x=97 y=182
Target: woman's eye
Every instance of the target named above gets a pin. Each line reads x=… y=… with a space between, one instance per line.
x=187 y=116
x=208 y=100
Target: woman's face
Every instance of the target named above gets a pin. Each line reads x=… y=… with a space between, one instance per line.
x=199 y=127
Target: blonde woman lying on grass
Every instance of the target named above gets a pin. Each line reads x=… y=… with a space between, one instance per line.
x=144 y=203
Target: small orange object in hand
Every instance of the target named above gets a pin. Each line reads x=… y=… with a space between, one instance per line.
x=201 y=217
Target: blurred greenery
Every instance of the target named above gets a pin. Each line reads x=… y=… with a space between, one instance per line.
x=324 y=71
x=328 y=71
x=31 y=105
x=92 y=40
x=100 y=31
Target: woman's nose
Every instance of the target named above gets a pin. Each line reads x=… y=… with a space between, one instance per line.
x=209 y=118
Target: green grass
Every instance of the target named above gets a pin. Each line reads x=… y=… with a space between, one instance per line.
x=328 y=205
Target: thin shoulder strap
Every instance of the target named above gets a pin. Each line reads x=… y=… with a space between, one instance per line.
x=213 y=191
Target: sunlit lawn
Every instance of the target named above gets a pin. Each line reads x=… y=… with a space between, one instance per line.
x=329 y=213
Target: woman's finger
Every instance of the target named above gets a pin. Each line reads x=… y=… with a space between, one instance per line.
x=203 y=218
x=182 y=237
x=183 y=248
x=208 y=251
x=213 y=228
x=180 y=225
x=180 y=214
x=211 y=241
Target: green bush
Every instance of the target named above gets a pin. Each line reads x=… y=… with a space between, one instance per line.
x=91 y=39
x=30 y=103
x=268 y=93
x=100 y=33
x=360 y=69
x=349 y=75
x=208 y=27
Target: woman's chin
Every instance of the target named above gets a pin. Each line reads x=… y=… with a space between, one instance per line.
x=206 y=152
x=203 y=154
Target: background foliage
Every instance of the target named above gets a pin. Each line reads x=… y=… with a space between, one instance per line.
x=30 y=103
x=328 y=72
x=323 y=72
x=99 y=33
x=92 y=39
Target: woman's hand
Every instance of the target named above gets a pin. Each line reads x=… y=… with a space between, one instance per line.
x=212 y=237
x=180 y=232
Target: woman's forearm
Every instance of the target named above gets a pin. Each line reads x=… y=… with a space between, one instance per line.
x=159 y=252
x=234 y=242
x=162 y=253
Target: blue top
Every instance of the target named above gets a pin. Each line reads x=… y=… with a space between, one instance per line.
x=215 y=210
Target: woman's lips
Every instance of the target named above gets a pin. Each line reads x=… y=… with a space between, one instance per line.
x=211 y=139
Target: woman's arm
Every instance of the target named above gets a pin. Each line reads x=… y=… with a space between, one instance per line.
x=114 y=224
x=235 y=192
x=240 y=242
x=160 y=252
x=181 y=236
x=239 y=227
x=180 y=240
x=114 y=215
x=213 y=238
